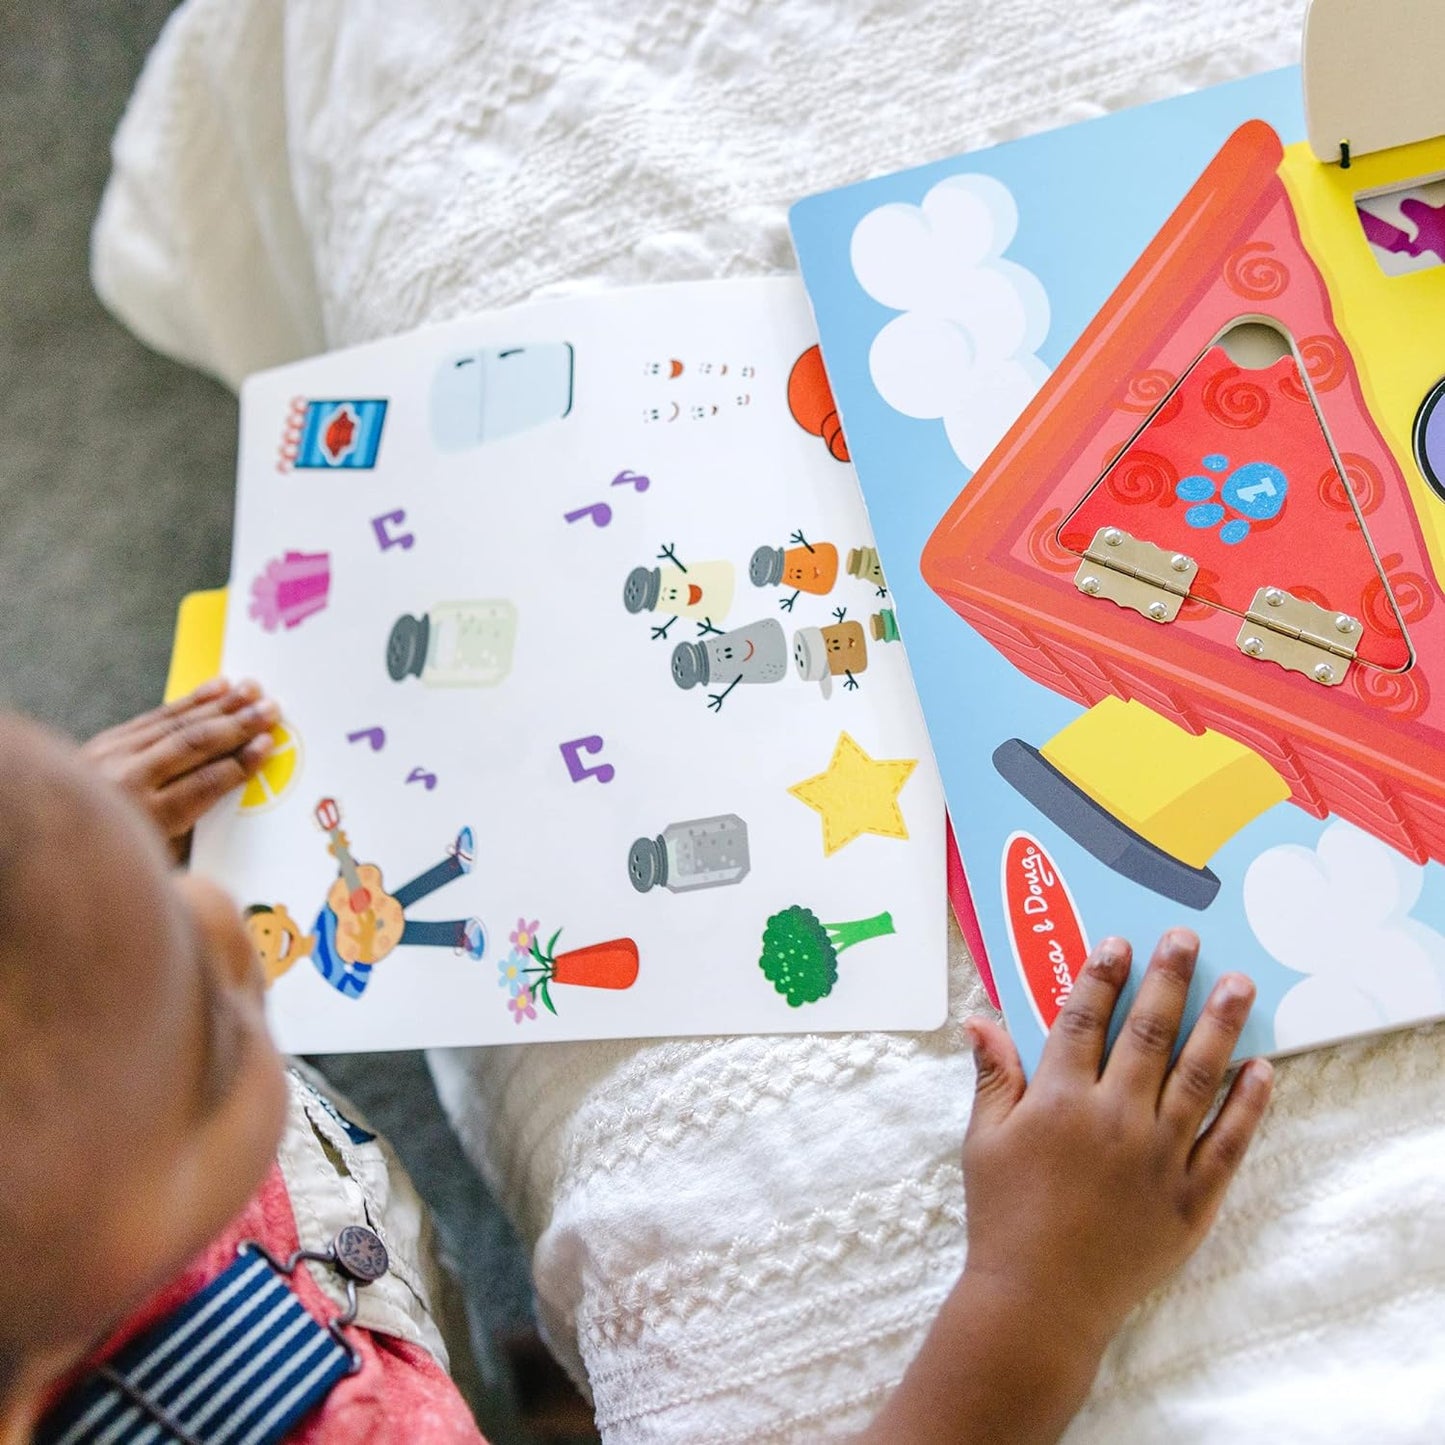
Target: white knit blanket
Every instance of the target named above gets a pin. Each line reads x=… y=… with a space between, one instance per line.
x=744 y=1239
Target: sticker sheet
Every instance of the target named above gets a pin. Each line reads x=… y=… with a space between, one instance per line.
x=596 y=720
x=1146 y=413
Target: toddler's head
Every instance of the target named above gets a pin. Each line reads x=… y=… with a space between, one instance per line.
x=141 y=1098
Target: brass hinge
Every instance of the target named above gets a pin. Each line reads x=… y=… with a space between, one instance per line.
x=1299 y=636
x=1135 y=574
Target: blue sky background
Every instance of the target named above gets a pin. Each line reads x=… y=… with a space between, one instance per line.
x=1090 y=198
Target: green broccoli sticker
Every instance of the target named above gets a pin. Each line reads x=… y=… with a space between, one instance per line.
x=800 y=954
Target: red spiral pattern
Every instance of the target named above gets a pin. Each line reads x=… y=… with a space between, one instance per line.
x=1045 y=547
x=1402 y=694
x=1205 y=589
x=1413 y=594
x=1234 y=401
x=1147 y=389
x=1364 y=480
x=1255 y=272
x=1324 y=360
x=1142 y=477
x=1306 y=593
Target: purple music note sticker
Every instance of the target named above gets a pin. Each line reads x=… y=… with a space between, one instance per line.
x=571 y=754
x=634 y=479
x=375 y=736
x=420 y=775
x=600 y=513
x=381 y=526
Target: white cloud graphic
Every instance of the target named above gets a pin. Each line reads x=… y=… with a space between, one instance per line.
x=1340 y=913
x=963 y=349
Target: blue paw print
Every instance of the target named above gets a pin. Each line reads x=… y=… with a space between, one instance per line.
x=1257 y=489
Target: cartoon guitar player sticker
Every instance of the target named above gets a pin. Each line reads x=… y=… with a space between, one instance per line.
x=360 y=923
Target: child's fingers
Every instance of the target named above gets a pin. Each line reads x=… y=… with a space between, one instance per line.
x=1141 y=1052
x=180 y=806
x=1215 y=1158
x=998 y=1075
x=161 y=722
x=1199 y=1070
x=205 y=737
x=1075 y=1045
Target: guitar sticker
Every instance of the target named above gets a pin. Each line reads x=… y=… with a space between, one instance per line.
x=360 y=924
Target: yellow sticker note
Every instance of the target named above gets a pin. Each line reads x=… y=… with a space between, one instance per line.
x=856 y=795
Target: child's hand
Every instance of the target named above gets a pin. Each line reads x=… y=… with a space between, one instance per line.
x=178 y=760
x=1119 y=1182
x=1084 y=1191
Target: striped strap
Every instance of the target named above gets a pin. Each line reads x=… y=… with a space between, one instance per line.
x=238 y=1364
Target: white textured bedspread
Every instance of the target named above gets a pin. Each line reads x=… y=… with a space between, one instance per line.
x=743 y=1240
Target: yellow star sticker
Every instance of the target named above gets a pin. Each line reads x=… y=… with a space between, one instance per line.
x=856 y=795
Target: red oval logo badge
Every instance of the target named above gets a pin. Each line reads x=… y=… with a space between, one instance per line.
x=1044 y=926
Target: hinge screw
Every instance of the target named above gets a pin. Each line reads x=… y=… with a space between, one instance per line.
x=1324 y=672
x=1346 y=623
x=1180 y=563
x=1113 y=537
x=1089 y=585
x=1253 y=646
x=1274 y=597
x=1158 y=611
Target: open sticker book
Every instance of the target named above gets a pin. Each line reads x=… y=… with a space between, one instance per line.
x=596 y=721
x=1147 y=415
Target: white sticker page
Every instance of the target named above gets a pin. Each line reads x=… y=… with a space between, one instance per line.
x=596 y=723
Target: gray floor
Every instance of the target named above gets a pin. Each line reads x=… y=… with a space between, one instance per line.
x=116 y=479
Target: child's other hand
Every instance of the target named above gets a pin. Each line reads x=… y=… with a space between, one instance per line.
x=178 y=760
x=1085 y=1190
x=1093 y=1185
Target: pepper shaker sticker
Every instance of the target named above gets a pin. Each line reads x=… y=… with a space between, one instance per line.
x=804 y=566
x=884 y=626
x=756 y=653
x=330 y=435
x=700 y=853
x=482 y=396
x=701 y=591
x=823 y=653
x=291 y=589
x=456 y=644
x=863 y=563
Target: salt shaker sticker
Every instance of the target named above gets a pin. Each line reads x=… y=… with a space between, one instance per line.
x=883 y=624
x=455 y=644
x=757 y=653
x=684 y=857
x=823 y=653
x=701 y=591
x=863 y=564
x=802 y=565
x=483 y=395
